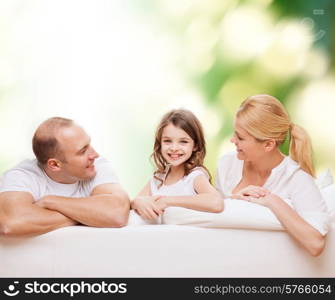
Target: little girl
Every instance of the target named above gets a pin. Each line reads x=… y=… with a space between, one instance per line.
x=180 y=178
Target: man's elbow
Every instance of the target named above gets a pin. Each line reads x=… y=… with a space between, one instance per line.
x=8 y=228
x=120 y=217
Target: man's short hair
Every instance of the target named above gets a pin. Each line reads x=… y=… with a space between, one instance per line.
x=45 y=143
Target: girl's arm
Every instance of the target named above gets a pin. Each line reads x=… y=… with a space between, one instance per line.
x=207 y=199
x=145 y=204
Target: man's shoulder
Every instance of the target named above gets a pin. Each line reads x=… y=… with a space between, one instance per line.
x=104 y=172
x=101 y=160
x=102 y=164
x=25 y=177
x=27 y=167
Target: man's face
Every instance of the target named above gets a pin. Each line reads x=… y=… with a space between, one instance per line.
x=79 y=154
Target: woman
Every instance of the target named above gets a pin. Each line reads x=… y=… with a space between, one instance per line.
x=260 y=173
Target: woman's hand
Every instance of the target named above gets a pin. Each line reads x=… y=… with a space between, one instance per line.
x=266 y=200
x=250 y=193
x=147 y=207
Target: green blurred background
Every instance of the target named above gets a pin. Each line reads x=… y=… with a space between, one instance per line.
x=116 y=66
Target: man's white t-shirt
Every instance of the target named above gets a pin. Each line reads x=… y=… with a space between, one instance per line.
x=29 y=177
x=287 y=180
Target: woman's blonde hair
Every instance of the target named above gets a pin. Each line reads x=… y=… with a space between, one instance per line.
x=187 y=121
x=264 y=117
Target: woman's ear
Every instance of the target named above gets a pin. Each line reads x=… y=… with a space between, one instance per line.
x=269 y=145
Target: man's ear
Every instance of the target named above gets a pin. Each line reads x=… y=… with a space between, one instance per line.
x=269 y=145
x=53 y=164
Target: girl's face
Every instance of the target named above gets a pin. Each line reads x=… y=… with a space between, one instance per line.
x=247 y=147
x=176 y=145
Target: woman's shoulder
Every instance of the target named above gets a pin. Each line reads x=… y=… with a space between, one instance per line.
x=292 y=168
x=228 y=159
x=295 y=175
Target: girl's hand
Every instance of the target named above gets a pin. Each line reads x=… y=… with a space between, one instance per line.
x=146 y=207
x=250 y=192
x=162 y=203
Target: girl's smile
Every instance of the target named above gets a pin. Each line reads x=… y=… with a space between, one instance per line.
x=176 y=145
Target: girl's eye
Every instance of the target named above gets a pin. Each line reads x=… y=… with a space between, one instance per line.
x=184 y=142
x=166 y=141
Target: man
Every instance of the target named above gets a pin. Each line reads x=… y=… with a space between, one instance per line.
x=67 y=184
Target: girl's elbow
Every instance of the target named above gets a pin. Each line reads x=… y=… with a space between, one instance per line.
x=218 y=205
x=317 y=246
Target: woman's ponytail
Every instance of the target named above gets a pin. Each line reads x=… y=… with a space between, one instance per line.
x=301 y=148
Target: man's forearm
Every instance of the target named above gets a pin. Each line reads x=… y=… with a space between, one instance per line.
x=105 y=210
x=37 y=221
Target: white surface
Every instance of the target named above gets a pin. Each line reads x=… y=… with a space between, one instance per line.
x=162 y=251
x=142 y=250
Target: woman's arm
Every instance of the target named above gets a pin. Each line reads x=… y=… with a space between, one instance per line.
x=207 y=199
x=145 y=204
x=305 y=234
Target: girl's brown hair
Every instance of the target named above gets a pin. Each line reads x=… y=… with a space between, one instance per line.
x=264 y=117
x=187 y=121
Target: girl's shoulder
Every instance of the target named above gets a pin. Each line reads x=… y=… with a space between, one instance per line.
x=196 y=172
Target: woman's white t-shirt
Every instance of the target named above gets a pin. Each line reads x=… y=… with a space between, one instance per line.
x=287 y=180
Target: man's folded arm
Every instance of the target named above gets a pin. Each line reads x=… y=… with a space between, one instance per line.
x=107 y=206
x=20 y=216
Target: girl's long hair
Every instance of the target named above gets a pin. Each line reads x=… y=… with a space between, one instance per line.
x=187 y=121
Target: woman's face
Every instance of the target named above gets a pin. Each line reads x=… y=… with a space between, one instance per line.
x=247 y=147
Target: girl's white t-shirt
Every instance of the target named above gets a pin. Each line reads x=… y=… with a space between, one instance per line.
x=183 y=187
x=287 y=180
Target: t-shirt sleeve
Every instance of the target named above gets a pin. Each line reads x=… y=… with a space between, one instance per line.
x=104 y=173
x=308 y=202
x=194 y=174
x=17 y=180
